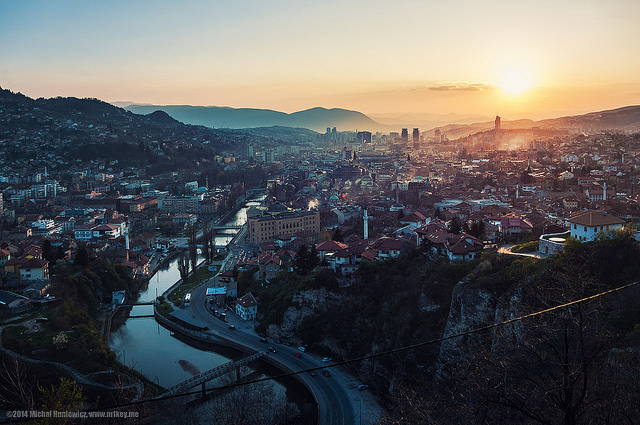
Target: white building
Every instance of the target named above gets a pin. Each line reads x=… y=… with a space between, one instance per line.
x=247 y=307
x=585 y=225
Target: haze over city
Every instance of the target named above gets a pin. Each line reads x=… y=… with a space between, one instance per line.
x=519 y=59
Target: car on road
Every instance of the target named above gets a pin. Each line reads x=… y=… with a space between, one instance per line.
x=263 y=340
x=302 y=348
x=362 y=387
x=326 y=373
x=326 y=359
x=273 y=350
x=41 y=319
x=313 y=373
x=297 y=355
x=232 y=327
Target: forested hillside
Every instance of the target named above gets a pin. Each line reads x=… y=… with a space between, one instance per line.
x=573 y=365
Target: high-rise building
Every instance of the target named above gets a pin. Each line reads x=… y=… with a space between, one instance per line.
x=416 y=138
x=1 y=204
x=497 y=124
x=405 y=135
x=363 y=137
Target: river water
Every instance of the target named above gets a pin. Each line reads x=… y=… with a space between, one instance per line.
x=147 y=347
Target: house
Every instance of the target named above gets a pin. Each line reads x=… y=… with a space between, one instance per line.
x=463 y=247
x=415 y=219
x=228 y=280
x=11 y=303
x=37 y=289
x=5 y=255
x=585 y=225
x=330 y=247
x=83 y=232
x=163 y=246
x=433 y=236
x=247 y=307
x=269 y=265
x=460 y=247
x=34 y=269
x=111 y=231
x=514 y=226
x=389 y=248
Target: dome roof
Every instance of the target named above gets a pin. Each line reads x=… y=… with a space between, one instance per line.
x=277 y=208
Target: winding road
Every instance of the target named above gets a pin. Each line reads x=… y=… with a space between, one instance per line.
x=334 y=403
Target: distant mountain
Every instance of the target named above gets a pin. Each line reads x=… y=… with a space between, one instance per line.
x=622 y=119
x=425 y=120
x=317 y=119
x=625 y=118
x=91 y=128
x=287 y=134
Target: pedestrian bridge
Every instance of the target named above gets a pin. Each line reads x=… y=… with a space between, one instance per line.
x=208 y=375
x=230 y=227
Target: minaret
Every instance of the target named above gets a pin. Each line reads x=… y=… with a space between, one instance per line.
x=366 y=225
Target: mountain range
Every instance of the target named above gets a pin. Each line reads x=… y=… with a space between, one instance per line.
x=319 y=119
x=316 y=119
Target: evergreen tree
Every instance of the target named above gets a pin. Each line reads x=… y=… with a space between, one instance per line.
x=455 y=225
x=48 y=252
x=82 y=257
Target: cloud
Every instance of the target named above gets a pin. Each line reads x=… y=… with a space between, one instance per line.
x=462 y=86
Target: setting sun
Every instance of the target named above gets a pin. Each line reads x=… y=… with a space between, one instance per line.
x=515 y=80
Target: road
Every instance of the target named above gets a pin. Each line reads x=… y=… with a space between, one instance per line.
x=332 y=392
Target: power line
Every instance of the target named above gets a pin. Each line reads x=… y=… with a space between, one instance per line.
x=367 y=357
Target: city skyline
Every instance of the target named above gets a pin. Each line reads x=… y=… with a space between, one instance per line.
x=521 y=60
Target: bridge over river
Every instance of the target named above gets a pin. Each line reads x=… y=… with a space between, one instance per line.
x=208 y=375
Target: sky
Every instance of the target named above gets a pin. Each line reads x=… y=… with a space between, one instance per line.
x=521 y=59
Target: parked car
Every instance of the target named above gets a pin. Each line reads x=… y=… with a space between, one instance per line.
x=362 y=387
x=326 y=359
x=303 y=349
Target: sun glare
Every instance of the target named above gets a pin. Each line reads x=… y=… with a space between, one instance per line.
x=515 y=80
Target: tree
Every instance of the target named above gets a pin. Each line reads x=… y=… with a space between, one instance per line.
x=65 y=397
x=193 y=246
x=255 y=404
x=455 y=225
x=15 y=384
x=48 y=252
x=183 y=265
x=209 y=244
x=82 y=257
x=306 y=259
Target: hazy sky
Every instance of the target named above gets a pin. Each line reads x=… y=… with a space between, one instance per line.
x=517 y=58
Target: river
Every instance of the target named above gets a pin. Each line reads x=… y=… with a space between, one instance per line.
x=147 y=347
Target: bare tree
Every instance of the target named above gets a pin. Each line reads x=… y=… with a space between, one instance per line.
x=16 y=385
x=255 y=404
